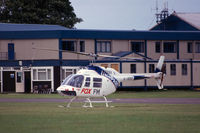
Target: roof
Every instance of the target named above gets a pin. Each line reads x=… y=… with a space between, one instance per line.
x=180 y=22
x=29 y=27
x=38 y=31
x=191 y=18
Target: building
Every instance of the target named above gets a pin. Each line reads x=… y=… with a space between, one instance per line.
x=24 y=65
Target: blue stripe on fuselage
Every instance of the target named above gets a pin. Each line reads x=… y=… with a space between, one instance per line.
x=100 y=71
x=139 y=77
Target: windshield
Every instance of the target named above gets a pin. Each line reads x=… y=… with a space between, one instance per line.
x=74 y=80
x=66 y=79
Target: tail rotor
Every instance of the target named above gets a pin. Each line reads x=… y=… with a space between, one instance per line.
x=161 y=70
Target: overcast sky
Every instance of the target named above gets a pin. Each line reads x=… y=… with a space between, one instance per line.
x=126 y=14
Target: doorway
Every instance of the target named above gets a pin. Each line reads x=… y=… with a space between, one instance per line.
x=9 y=84
x=11 y=51
x=27 y=81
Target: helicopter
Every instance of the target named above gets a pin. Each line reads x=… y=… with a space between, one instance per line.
x=97 y=81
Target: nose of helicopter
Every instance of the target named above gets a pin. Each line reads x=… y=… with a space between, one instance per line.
x=66 y=90
x=60 y=89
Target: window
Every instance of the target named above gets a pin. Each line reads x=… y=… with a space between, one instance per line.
x=82 y=46
x=0 y=74
x=133 y=68
x=173 y=69
x=42 y=74
x=104 y=46
x=97 y=82
x=169 y=47
x=184 y=69
x=157 y=47
x=34 y=74
x=197 y=47
x=87 y=82
x=19 y=77
x=69 y=45
x=68 y=71
x=76 y=81
x=189 y=47
x=151 y=68
x=137 y=47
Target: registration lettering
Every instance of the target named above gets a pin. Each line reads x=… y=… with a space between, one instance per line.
x=96 y=91
x=86 y=91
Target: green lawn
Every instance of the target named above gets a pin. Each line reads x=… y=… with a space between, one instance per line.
x=133 y=118
x=118 y=94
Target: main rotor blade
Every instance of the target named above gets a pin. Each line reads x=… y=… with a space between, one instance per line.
x=92 y=54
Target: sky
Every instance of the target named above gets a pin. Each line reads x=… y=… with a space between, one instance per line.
x=126 y=14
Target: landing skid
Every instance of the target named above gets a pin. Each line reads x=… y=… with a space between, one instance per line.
x=88 y=101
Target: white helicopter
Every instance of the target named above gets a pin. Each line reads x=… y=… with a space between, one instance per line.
x=96 y=81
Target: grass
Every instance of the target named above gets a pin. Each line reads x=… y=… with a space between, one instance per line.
x=118 y=94
x=138 y=118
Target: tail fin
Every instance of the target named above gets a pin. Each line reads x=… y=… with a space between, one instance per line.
x=160 y=64
x=160 y=70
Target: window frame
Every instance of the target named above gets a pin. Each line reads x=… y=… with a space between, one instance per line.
x=157 y=47
x=151 y=68
x=47 y=70
x=104 y=46
x=169 y=47
x=184 y=69
x=139 y=46
x=19 y=77
x=189 y=47
x=173 y=69
x=197 y=47
x=82 y=46
x=70 y=45
x=70 y=70
x=133 y=68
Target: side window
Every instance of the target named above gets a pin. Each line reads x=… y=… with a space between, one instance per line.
x=87 y=82
x=157 y=47
x=133 y=68
x=137 y=47
x=151 y=68
x=69 y=45
x=169 y=47
x=184 y=69
x=97 y=82
x=82 y=46
x=189 y=47
x=173 y=69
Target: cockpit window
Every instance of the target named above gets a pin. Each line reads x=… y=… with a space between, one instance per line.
x=66 y=79
x=74 y=80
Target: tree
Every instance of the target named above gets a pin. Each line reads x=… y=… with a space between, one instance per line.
x=59 y=12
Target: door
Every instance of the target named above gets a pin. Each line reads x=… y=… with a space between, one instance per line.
x=9 y=83
x=11 y=51
x=27 y=81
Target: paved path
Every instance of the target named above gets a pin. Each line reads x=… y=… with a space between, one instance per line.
x=123 y=100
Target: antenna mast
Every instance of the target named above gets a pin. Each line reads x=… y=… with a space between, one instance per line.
x=160 y=17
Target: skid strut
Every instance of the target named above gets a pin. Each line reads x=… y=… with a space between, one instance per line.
x=71 y=100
